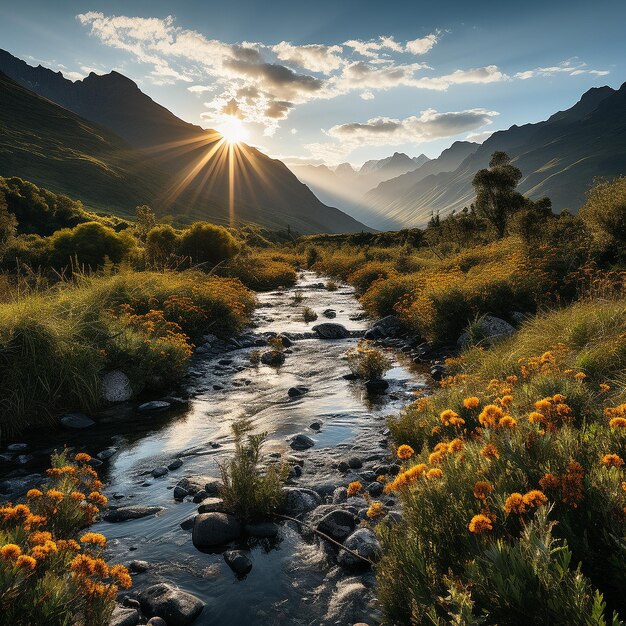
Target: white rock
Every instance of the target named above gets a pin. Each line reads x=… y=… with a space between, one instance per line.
x=115 y=387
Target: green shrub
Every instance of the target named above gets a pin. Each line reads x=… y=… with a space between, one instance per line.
x=206 y=243
x=161 y=245
x=367 y=362
x=604 y=211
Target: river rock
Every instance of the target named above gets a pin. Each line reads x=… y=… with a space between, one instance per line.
x=298 y=500
x=295 y=392
x=213 y=486
x=337 y=524
x=348 y=603
x=20 y=485
x=389 y=326
x=174 y=465
x=490 y=328
x=301 y=442
x=238 y=561
x=123 y=616
x=211 y=505
x=376 y=385
x=214 y=529
x=354 y=462
x=190 y=486
x=106 y=454
x=364 y=542
x=286 y=341
x=115 y=387
x=76 y=421
x=330 y=314
x=375 y=489
x=156 y=621
x=262 y=530
x=138 y=567
x=273 y=357
x=18 y=447
x=315 y=425
x=340 y=494
x=158 y=472
x=125 y=513
x=331 y=330
x=176 y=607
x=154 y=406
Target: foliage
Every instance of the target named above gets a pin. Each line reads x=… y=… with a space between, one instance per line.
x=308 y=314
x=368 y=362
x=249 y=491
x=8 y=225
x=529 y=438
x=50 y=573
x=55 y=344
x=161 y=246
x=145 y=220
x=604 y=211
x=207 y=243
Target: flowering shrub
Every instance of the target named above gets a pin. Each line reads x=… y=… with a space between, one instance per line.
x=50 y=571
x=512 y=475
x=368 y=362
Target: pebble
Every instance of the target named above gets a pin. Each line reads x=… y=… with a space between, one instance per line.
x=302 y=442
x=238 y=561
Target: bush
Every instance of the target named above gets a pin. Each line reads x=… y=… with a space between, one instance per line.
x=604 y=211
x=88 y=244
x=368 y=362
x=259 y=272
x=207 y=243
x=161 y=245
x=250 y=492
x=308 y=314
x=49 y=572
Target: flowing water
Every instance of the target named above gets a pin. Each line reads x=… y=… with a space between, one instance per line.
x=291 y=581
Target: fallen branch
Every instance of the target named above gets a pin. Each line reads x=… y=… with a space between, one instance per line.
x=325 y=536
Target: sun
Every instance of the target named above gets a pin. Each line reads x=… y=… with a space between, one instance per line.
x=233 y=130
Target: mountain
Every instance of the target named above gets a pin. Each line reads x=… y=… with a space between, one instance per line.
x=385 y=200
x=181 y=169
x=558 y=157
x=345 y=187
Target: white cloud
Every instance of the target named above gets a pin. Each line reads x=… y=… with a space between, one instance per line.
x=367 y=95
x=571 y=67
x=313 y=57
x=423 y=45
x=384 y=131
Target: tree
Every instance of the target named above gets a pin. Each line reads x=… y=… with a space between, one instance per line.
x=90 y=243
x=206 y=243
x=604 y=212
x=161 y=244
x=496 y=198
x=144 y=220
x=8 y=225
x=531 y=220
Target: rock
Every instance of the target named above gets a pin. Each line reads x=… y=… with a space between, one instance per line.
x=138 y=567
x=18 y=447
x=262 y=530
x=176 y=607
x=123 y=616
x=295 y=472
x=330 y=313
x=298 y=501
x=364 y=542
x=200 y=497
x=211 y=505
x=115 y=387
x=351 y=376
x=302 y=442
x=20 y=485
x=238 y=561
x=214 y=529
x=24 y=459
x=190 y=485
x=438 y=372
x=156 y=621
x=295 y=392
x=188 y=523
x=180 y=493
x=213 y=486
x=315 y=426
x=354 y=462
x=106 y=454
x=131 y=603
x=330 y=330
x=389 y=326
x=337 y=524
x=225 y=362
x=517 y=318
x=286 y=341
x=76 y=420
x=343 y=466
x=94 y=462
x=272 y=357
x=372 y=334
x=340 y=494
x=154 y=406
x=375 y=489
x=376 y=385
x=489 y=328
x=174 y=465
x=125 y=513
x=157 y=472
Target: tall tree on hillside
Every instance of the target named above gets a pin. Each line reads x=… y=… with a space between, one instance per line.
x=496 y=198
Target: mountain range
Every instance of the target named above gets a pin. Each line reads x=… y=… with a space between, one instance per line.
x=103 y=141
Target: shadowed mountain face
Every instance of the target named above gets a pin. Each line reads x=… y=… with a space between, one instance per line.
x=559 y=158
x=180 y=168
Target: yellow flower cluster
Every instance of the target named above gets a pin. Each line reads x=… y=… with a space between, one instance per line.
x=518 y=503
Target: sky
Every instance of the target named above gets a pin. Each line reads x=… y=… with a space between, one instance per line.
x=334 y=81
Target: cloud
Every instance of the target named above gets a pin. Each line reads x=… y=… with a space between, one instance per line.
x=312 y=57
x=571 y=67
x=384 y=131
x=367 y=95
x=423 y=45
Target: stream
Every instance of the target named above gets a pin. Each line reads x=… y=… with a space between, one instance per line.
x=293 y=580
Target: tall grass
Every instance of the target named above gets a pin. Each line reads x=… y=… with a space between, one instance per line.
x=55 y=344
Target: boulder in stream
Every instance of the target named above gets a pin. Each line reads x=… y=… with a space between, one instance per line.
x=238 y=561
x=115 y=387
x=331 y=330
x=125 y=513
x=365 y=543
x=211 y=530
x=302 y=442
x=76 y=421
x=176 y=607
